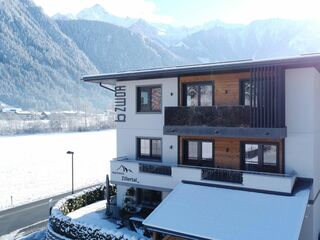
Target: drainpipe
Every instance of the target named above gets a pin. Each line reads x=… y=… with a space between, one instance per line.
x=110 y=89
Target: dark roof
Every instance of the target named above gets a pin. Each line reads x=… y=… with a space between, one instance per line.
x=241 y=65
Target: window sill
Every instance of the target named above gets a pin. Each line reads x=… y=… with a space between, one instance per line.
x=149 y=112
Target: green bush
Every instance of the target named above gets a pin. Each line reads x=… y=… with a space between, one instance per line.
x=87 y=198
x=64 y=226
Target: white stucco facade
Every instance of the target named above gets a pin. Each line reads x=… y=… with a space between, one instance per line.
x=302 y=145
x=147 y=124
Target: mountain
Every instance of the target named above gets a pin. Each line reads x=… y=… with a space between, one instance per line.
x=40 y=66
x=42 y=60
x=146 y=29
x=162 y=33
x=112 y=48
x=59 y=16
x=219 y=41
x=98 y=13
x=260 y=39
x=159 y=32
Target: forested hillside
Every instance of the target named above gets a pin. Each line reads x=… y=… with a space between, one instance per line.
x=40 y=67
x=112 y=48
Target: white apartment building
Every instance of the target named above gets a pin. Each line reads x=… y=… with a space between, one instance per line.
x=221 y=151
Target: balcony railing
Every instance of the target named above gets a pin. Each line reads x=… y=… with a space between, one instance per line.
x=155 y=169
x=210 y=116
x=166 y=176
x=222 y=175
x=217 y=121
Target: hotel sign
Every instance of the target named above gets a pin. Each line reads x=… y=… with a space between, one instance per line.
x=126 y=174
x=120 y=103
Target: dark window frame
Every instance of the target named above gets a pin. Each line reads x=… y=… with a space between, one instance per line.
x=199 y=161
x=261 y=166
x=242 y=91
x=200 y=83
x=148 y=198
x=151 y=156
x=138 y=98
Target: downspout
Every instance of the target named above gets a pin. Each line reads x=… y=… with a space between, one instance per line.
x=110 y=89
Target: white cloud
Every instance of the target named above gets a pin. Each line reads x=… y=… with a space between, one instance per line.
x=122 y=8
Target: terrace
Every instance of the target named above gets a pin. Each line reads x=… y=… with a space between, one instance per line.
x=164 y=176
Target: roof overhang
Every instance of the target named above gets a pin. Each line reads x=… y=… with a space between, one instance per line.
x=199 y=69
x=205 y=212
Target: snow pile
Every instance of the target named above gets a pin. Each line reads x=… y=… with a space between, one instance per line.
x=87 y=222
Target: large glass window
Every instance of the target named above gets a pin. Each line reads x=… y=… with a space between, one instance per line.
x=206 y=150
x=261 y=157
x=149 y=99
x=270 y=155
x=245 y=92
x=193 y=150
x=198 y=94
x=251 y=153
x=149 y=148
x=198 y=152
x=148 y=198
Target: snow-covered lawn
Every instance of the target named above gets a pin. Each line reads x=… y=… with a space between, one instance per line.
x=37 y=166
x=94 y=215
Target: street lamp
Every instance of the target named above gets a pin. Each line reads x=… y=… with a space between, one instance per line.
x=70 y=152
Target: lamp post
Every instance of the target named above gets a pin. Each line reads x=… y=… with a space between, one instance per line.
x=70 y=152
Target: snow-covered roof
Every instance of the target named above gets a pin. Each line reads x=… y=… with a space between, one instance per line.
x=206 y=212
x=175 y=71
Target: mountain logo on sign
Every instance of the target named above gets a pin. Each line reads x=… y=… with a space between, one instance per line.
x=124 y=169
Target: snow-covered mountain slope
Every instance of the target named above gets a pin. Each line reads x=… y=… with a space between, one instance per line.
x=260 y=39
x=40 y=66
x=112 y=48
x=98 y=13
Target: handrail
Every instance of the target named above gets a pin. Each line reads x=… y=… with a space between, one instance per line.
x=156 y=163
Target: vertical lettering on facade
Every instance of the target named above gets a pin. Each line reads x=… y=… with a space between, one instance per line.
x=120 y=103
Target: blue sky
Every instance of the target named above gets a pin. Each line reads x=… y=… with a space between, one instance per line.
x=193 y=12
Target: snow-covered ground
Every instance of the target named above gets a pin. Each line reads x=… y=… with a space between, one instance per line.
x=20 y=235
x=94 y=215
x=37 y=166
x=40 y=235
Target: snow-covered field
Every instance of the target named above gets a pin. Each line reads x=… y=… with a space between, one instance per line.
x=37 y=166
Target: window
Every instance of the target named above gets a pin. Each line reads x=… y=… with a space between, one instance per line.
x=148 y=198
x=198 y=94
x=270 y=155
x=245 y=92
x=149 y=148
x=251 y=155
x=262 y=157
x=198 y=152
x=149 y=99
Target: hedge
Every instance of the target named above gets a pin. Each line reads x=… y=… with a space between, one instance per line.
x=65 y=226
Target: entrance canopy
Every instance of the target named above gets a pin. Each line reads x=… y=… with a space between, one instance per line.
x=206 y=212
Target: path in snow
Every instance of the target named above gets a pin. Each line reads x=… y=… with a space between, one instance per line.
x=37 y=166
